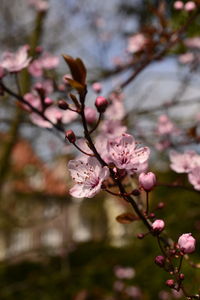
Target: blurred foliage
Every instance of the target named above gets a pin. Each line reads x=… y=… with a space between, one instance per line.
x=90 y=266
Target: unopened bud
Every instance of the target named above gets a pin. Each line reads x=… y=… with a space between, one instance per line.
x=63 y=105
x=147 y=181
x=161 y=205
x=140 y=236
x=70 y=136
x=181 y=276
x=170 y=283
x=158 y=226
x=101 y=104
x=160 y=261
x=151 y=216
x=97 y=87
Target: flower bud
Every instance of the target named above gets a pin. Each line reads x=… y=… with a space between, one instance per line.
x=170 y=283
x=48 y=101
x=90 y=115
x=147 y=181
x=161 y=205
x=101 y=104
x=151 y=216
x=181 y=276
x=140 y=236
x=190 y=6
x=97 y=87
x=158 y=226
x=160 y=261
x=187 y=243
x=178 y=5
x=70 y=136
x=63 y=105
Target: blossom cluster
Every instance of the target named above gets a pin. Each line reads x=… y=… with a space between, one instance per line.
x=187 y=162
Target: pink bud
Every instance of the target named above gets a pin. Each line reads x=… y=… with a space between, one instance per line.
x=170 y=283
x=158 y=226
x=101 y=104
x=147 y=181
x=48 y=101
x=97 y=87
x=70 y=136
x=160 y=261
x=187 y=243
x=90 y=114
x=178 y=5
x=189 y=6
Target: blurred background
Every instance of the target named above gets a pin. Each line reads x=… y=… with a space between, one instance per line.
x=56 y=247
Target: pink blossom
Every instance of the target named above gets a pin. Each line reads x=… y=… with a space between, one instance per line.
x=165 y=125
x=134 y=292
x=46 y=85
x=115 y=110
x=124 y=272
x=112 y=128
x=136 y=43
x=194 y=177
x=15 y=62
x=97 y=87
x=158 y=226
x=88 y=175
x=178 y=5
x=49 y=61
x=192 y=42
x=186 y=58
x=101 y=104
x=90 y=114
x=35 y=68
x=34 y=100
x=189 y=6
x=184 y=162
x=187 y=243
x=55 y=115
x=123 y=152
x=147 y=180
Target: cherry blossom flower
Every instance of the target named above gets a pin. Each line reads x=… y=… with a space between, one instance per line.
x=34 y=100
x=184 y=162
x=49 y=61
x=115 y=110
x=165 y=125
x=55 y=115
x=147 y=180
x=136 y=43
x=189 y=6
x=90 y=114
x=187 y=243
x=179 y=5
x=123 y=152
x=88 y=175
x=192 y=42
x=124 y=272
x=15 y=62
x=186 y=58
x=35 y=68
x=194 y=177
x=112 y=128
